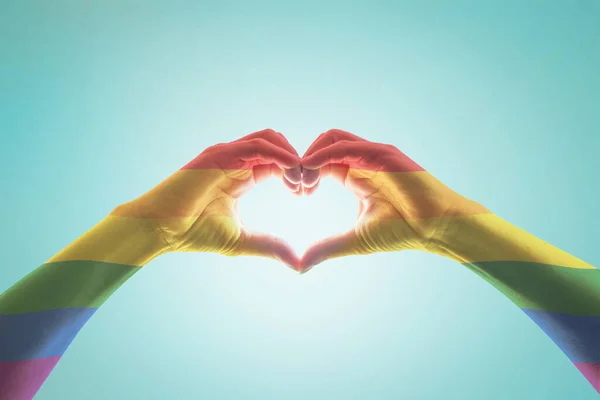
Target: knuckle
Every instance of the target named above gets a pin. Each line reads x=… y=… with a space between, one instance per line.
x=256 y=142
x=333 y=131
x=214 y=148
x=271 y=134
x=343 y=143
x=332 y=135
x=277 y=135
x=391 y=148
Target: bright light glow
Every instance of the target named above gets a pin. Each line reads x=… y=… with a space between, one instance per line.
x=300 y=220
x=255 y=311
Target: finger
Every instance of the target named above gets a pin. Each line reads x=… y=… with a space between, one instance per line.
x=263 y=172
x=332 y=136
x=266 y=171
x=293 y=175
x=272 y=136
x=310 y=190
x=339 y=172
x=261 y=151
x=335 y=246
x=310 y=177
x=294 y=187
x=361 y=155
x=344 y=152
x=263 y=245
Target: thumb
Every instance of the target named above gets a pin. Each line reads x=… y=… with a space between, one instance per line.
x=263 y=245
x=345 y=244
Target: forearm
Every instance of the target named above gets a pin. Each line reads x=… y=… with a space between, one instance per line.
x=41 y=314
x=558 y=291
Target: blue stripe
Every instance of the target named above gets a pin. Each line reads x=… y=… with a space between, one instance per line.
x=577 y=336
x=40 y=334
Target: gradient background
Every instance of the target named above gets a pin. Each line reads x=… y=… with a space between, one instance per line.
x=100 y=101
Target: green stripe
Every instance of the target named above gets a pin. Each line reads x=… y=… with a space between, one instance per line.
x=66 y=284
x=544 y=287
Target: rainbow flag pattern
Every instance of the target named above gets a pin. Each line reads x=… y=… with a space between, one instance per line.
x=41 y=314
x=558 y=291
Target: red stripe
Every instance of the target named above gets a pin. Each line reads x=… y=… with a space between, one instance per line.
x=20 y=380
x=396 y=164
x=386 y=159
x=226 y=159
x=363 y=156
x=591 y=371
x=223 y=161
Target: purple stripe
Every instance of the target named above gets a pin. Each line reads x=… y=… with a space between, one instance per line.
x=20 y=380
x=591 y=371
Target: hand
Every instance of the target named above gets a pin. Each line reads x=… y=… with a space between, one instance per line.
x=401 y=206
x=196 y=207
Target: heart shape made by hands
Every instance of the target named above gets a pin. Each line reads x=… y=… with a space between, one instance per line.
x=299 y=220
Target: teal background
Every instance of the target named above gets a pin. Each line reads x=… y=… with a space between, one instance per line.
x=100 y=101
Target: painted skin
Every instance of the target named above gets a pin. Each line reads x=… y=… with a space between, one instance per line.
x=196 y=208
x=192 y=210
x=401 y=206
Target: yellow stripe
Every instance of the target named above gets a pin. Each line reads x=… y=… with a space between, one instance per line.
x=193 y=209
x=208 y=233
x=487 y=237
x=418 y=195
x=186 y=193
x=117 y=240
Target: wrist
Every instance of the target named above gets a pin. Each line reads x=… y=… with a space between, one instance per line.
x=118 y=239
x=487 y=237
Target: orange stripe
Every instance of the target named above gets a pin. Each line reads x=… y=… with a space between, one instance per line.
x=186 y=193
x=117 y=240
x=487 y=237
x=416 y=195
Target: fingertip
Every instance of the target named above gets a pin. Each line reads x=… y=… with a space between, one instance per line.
x=293 y=187
x=304 y=269
x=309 y=259
x=308 y=191
x=310 y=177
x=289 y=162
x=293 y=175
x=290 y=258
x=282 y=251
x=335 y=246
x=263 y=245
x=308 y=164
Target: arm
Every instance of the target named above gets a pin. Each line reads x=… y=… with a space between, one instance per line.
x=558 y=291
x=403 y=207
x=41 y=314
x=192 y=210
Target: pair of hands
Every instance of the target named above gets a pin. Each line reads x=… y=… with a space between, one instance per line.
x=401 y=206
